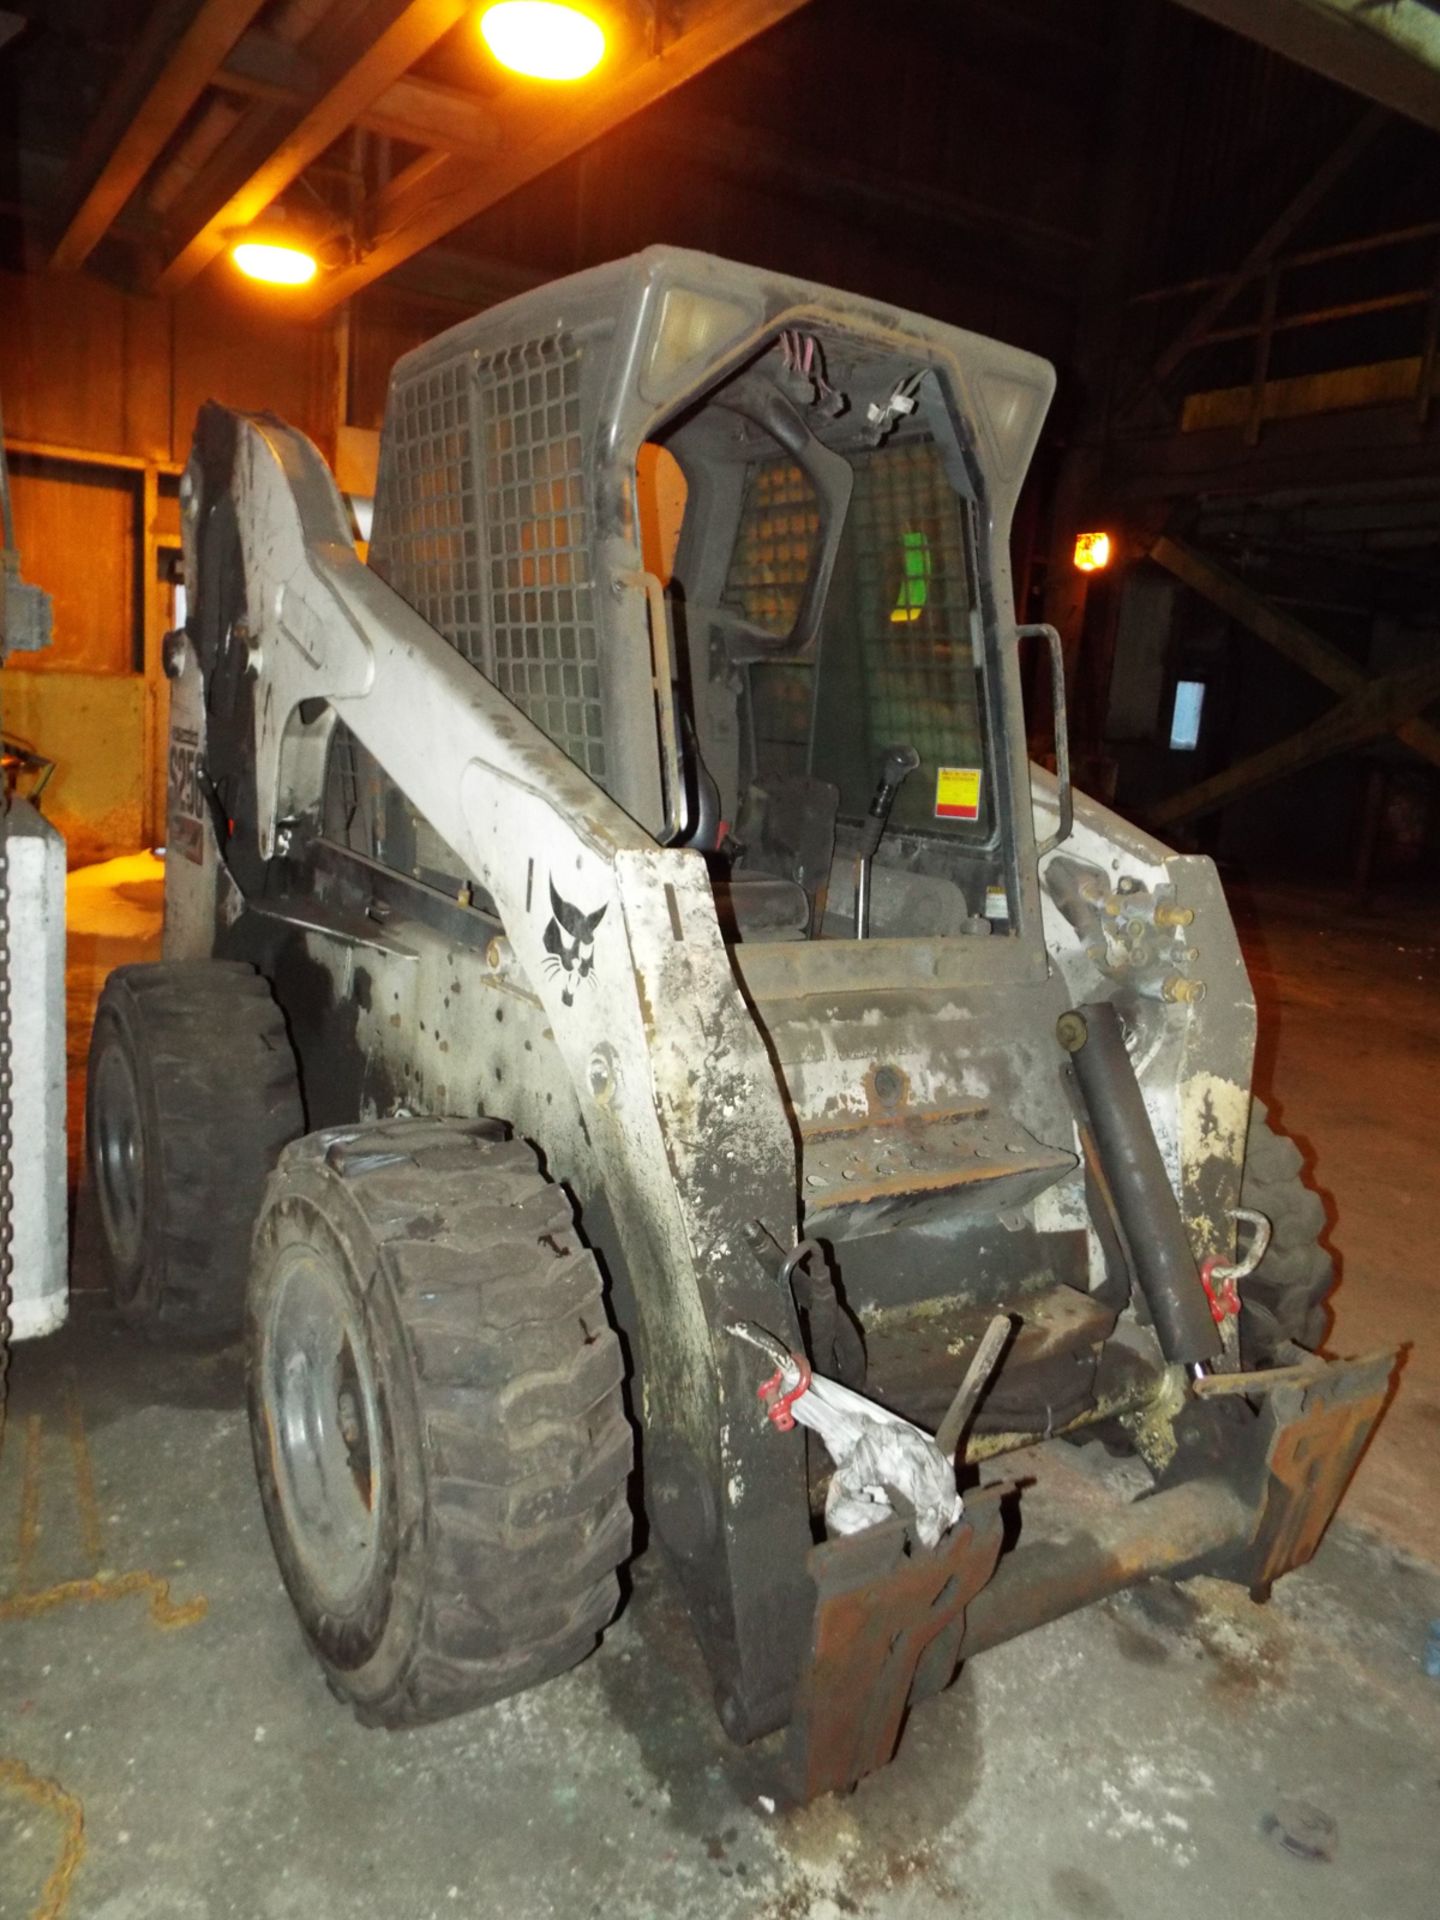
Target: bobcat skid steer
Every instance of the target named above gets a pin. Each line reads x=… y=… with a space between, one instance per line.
x=624 y=981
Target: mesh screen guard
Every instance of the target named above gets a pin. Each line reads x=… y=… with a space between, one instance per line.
x=483 y=525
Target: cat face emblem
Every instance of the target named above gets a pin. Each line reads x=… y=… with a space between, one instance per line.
x=570 y=943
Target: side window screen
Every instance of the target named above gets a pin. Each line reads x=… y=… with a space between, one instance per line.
x=898 y=651
x=779 y=531
x=538 y=541
x=483 y=525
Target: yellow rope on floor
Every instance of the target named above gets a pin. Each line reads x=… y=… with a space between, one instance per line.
x=164 y=1611
x=22 y=1604
x=55 y=1894
x=85 y=1501
x=29 y=1501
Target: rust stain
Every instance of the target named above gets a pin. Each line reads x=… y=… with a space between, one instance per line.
x=647 y=1012
x=25 y=1603
x=164 y=1612
x=855 y=1193
x=29 y=1503
x=51 y=1796
x=90 y=1527
x=887 y=1092
x=908 y=1120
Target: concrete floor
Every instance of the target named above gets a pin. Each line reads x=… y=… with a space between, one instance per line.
x=1115 y=1766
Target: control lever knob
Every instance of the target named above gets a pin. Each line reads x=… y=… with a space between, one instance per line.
x=898 y=764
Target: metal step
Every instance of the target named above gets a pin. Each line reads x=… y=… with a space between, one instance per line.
x=866 y=1176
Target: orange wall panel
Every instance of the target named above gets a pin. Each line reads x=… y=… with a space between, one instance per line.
x=237 y=349
x=83 y=365
x=75 y=527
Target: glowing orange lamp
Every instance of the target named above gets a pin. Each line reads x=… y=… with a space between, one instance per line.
x=276 y=266
x=277 y=250
x=544 y=39
x=1092 y=552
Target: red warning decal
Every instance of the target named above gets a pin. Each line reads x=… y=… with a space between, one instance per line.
x=957 y=793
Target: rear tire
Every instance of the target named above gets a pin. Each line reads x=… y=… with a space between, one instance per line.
x=191 y=1092
x=437 y=1416
x=1284 y=1299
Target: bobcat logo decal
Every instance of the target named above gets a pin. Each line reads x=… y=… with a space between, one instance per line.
x=570 y=943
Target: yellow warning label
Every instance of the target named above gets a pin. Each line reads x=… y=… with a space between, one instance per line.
x=957 y=793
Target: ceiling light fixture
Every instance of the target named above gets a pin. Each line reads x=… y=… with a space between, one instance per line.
x=280 y=249
x=544 y=39
x=277 y=265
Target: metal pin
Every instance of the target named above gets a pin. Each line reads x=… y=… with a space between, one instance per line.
x=957 y=1416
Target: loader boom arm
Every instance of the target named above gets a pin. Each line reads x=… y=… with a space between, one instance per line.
x=322 y=627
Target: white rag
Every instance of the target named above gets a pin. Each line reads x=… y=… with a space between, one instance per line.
x=875 y=1451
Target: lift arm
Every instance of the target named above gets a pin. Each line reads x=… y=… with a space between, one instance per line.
x=684 y=1176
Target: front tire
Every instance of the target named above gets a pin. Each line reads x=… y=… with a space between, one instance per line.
x=191 y=1092
x=437 y=1416
x=1283 y=1301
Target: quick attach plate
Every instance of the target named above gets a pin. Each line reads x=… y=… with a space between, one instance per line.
x=889 y=1619
x=1294 y=1459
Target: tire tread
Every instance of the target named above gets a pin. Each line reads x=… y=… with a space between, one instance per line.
x=1290 y=1286
x=218 y=1058
x=517 y=1377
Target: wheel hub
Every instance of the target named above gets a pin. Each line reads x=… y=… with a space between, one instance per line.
x=318 y=1385
x=118 y=1154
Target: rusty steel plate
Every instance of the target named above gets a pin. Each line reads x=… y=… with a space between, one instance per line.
x=1322 y=1427
x=889 y=1618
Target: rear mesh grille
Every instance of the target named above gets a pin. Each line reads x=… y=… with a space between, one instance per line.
x=502 y=569
x=537 y=526
x=427 y=532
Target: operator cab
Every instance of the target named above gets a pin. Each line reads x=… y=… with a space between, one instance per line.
x=736 y=545
x=815 y=522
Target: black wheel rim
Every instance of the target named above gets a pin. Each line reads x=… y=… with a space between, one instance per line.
x=118 y=1154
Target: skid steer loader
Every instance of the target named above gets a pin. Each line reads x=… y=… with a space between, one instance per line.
x=622 y=973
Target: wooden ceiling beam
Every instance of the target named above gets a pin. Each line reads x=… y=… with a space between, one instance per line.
x=1282 y=631
x=422 y=207
x=271 y=146
x=1291 y=217
x=1376 y=708
x=757 y=157
x=419 y=112
x=1373 y=50
x=167 y=70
